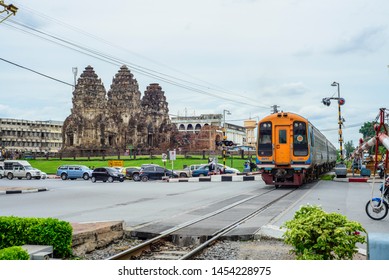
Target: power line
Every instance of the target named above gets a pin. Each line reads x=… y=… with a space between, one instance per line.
x=69 y=26
x=116 y=61
x=36 y=72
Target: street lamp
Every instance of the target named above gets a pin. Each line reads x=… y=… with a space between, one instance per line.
x=10 y=9
x=326 y=101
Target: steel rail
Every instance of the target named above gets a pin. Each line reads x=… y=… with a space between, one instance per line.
x=230 y=227
x=138 y=249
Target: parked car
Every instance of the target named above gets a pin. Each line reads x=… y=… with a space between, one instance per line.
x=187 y=171
x=132 y=173
x=20 y=169
x=241 y=148
x=204 y=170
x=74 y=172
x=43 y=174
x=153 y=172
x=107 y=174
x=1 y=172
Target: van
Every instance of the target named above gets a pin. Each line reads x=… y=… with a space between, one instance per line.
x=20 y=169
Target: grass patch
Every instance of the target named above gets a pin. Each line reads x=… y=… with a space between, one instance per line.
x=50 y=165
x=327 y=177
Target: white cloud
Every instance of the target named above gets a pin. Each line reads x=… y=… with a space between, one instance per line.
x=264 y=53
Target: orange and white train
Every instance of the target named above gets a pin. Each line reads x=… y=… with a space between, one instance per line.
x=291 y=151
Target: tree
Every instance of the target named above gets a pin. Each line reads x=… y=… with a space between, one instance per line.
x=349 y=147
x=367 y=130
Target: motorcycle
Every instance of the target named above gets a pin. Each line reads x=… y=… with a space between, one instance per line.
x=377 y=208
x=381 y=170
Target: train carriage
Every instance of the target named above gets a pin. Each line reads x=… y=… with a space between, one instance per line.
x=291 y=151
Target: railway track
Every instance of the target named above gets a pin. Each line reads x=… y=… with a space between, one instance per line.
x=157 y=245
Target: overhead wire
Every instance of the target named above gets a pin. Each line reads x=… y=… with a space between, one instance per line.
x=116 y=61
x=109 y=43
x=36 y=72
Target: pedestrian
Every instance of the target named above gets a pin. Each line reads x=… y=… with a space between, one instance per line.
x=356 y=164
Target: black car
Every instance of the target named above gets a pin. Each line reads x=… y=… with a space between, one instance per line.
x=107 y=174
x=155 y=173
x=132 y=173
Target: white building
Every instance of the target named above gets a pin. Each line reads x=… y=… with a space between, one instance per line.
x=193 y=124
x=30 y=136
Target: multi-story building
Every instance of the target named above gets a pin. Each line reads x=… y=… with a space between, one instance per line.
x=193 y=124
x=35 y=137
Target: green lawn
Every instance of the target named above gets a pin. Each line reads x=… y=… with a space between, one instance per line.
x=50 y=166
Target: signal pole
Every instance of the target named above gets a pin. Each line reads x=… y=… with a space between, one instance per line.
x=327 y=101
x=224 y=136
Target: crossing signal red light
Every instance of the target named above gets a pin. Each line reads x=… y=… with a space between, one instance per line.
x=228 y=143
x=341 y=101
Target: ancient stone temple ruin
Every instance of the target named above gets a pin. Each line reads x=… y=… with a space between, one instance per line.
x=113 y=122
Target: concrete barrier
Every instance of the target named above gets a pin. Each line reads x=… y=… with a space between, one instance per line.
x=378 y=246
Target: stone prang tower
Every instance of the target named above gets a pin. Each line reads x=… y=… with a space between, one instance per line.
x=104 y=123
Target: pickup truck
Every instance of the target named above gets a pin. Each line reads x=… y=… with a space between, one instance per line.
x=20 y=169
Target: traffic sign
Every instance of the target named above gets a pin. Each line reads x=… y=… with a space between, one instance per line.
x=172 y=155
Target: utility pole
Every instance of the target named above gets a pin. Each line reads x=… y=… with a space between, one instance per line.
x=9 y=9
x=75 y=70
x=274 y=109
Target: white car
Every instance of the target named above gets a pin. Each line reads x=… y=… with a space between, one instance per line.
x=1 y=172
x=43 y=174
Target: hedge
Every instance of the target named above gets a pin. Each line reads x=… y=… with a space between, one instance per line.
x=16 y=231
x=14 y=253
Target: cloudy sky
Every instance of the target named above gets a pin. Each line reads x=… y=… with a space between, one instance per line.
x=238 y=55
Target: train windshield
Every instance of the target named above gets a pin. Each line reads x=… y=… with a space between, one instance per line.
x=300 y=143
x=265 y=147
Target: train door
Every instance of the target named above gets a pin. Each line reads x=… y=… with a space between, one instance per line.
x=282 y=145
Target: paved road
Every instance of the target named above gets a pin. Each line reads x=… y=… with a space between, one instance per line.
x=138 y=203
x=134 y=202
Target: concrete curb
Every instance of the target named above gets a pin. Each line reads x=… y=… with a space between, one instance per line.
x=10 y=191
x=217 y=178
x=358 y=180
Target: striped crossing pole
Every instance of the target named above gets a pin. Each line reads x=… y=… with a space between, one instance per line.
x=384 y=139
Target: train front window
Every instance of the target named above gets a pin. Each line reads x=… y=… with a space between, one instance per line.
x=300 y=143
x=265 y=147
x=282 y=137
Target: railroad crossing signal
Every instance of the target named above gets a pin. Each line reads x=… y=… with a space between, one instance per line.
x=226 y=143
x=326 y=101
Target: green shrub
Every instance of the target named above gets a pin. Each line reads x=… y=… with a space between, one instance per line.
x=327 y=177
x=16 y=231
x=14 y=253
x=317 y=235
